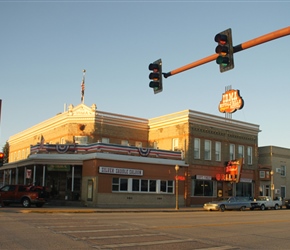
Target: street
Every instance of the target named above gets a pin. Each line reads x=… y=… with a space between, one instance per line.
x=146 y=230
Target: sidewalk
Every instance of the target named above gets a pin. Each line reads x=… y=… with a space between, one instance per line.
x=63 y=209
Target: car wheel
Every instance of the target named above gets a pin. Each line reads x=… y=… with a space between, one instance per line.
x=26 y=202
x=276 y=207
x=243 y=208
x=222 y=208
x=263 y=207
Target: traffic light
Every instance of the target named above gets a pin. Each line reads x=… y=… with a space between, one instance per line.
x=156 y=76
x=225 y=50
x=1 y=159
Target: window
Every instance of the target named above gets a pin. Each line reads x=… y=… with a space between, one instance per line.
x=124 y=143
x=283 y=170
x=232 y=152
x=250 y=155
x=62 y=140
x=218 y=150
x=196 y=148
x=105 y=140
x=241 y=152
x=175 y=144
x=81 y=140
x=138 y=144
x=244 y=189
x=262 y=174
x=207 y=150
x=283 y=191
x=166 y=186
x=136 y=185
x=119 y=184
x=152 y=184
x=140 y=185
x=203 y=187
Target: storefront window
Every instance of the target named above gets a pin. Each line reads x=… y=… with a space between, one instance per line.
x=244 y=189
x=152 y=186
x=202 y=187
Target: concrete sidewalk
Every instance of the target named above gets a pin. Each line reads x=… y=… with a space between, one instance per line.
x=49 y=209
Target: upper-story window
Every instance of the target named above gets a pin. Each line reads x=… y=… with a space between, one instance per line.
x=207 y=150
x=105 y=140
x=124 y=143
x=232 y=152
x=283 y=170
x=175 y=144
x=81 y=139
x=218 y=150
x=196 y=148
x=241 y=153
x=250 y=155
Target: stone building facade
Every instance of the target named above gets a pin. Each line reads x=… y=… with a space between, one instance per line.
x=272 y=174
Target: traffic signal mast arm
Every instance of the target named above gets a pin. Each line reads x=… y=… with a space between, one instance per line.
x=246 y=45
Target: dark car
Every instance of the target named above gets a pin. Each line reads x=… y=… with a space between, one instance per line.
x=287 y=203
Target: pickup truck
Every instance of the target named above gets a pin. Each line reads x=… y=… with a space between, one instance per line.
x=266 y=202
x=232 y=203
x=22 y=194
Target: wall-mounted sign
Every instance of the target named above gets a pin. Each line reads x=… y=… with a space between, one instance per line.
x=231 y=101
x=121 y=171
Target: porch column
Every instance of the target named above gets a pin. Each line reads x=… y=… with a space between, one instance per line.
x=43 y=175
x=10 y=177
x=4 y=177
x=24 y=181
x=34 y=173
x=72 y=178
x=16 y=175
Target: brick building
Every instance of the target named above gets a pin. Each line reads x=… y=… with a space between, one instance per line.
x=91 y=153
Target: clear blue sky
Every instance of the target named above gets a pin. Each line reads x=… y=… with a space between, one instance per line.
x=45 y=45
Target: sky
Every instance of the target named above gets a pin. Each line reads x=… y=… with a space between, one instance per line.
x=45 y=45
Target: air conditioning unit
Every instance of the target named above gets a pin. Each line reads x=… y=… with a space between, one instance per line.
x=278 y=170
x=277 y=191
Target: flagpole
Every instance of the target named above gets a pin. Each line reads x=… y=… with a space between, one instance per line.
x=83 y=87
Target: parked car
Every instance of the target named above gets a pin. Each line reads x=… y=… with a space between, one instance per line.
x=23 y=194
x=287 y=203
x=232 y=203
x=266 y=202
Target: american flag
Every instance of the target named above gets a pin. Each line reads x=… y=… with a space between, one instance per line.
x=83 y=87
x=82 y=90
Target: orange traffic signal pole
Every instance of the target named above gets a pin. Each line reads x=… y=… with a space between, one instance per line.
x=246 y=45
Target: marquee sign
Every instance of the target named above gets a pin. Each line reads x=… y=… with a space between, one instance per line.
x=231 y=101
x=232 y=171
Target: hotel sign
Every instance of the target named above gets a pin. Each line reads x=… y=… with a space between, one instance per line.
x=121 y=171
x=231 y=101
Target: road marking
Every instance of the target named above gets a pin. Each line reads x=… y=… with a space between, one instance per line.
x=218 y=248
x=120 y=236
x=97 y=230
x=144 y=243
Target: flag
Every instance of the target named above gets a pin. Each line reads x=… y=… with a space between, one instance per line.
x=82 y=90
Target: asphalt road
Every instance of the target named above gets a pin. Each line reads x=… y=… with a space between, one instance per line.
x=152 y=230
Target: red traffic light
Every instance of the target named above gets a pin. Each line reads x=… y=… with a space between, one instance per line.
x=1 y=155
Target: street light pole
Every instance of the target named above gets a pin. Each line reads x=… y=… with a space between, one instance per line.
x=272 y=184
x=176 y=189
